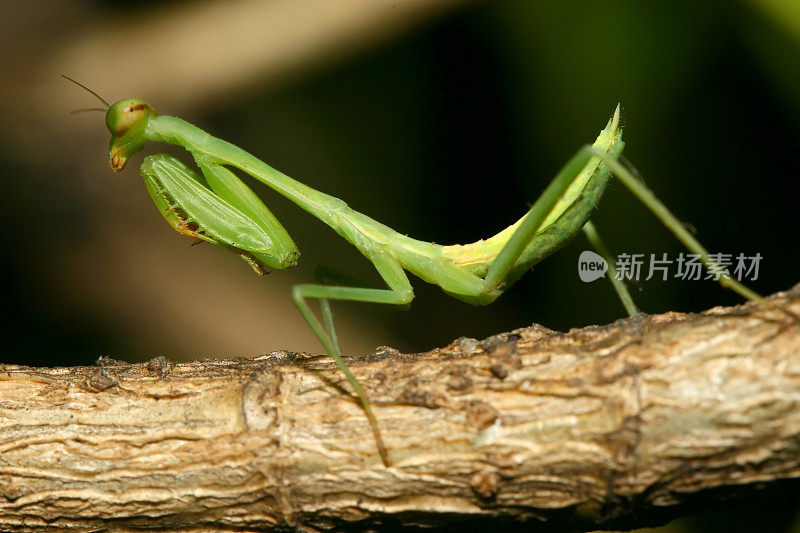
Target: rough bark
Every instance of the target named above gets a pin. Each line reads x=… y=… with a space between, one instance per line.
x=624 y=424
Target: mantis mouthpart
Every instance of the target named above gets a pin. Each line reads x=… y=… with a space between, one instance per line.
x=215 y=206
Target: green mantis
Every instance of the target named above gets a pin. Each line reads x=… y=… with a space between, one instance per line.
x=214 y=205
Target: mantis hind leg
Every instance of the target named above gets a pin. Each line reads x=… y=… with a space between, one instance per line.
x=508 y=258
x=398 y=293
x=619 y=286
x=646 y=196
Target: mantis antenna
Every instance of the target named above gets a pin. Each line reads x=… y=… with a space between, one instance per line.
x=86 y=110
x=79 y=84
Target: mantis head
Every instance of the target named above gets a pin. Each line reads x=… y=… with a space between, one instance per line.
x=126 y=120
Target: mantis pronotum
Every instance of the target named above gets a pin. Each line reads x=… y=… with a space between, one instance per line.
x=217 y=207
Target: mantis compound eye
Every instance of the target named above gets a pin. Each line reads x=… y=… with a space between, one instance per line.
x=126 y=120
x=126 y=115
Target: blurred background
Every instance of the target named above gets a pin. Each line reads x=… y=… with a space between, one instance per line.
x=444 y=119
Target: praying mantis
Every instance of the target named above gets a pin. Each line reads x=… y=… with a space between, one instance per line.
x=215 y=206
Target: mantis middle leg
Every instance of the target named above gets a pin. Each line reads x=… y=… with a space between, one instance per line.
x=321 y=273
x=398 y=293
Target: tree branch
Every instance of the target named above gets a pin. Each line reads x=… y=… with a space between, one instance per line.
x=623 y=424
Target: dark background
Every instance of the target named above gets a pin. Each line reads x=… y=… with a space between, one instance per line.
x=444 y=120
